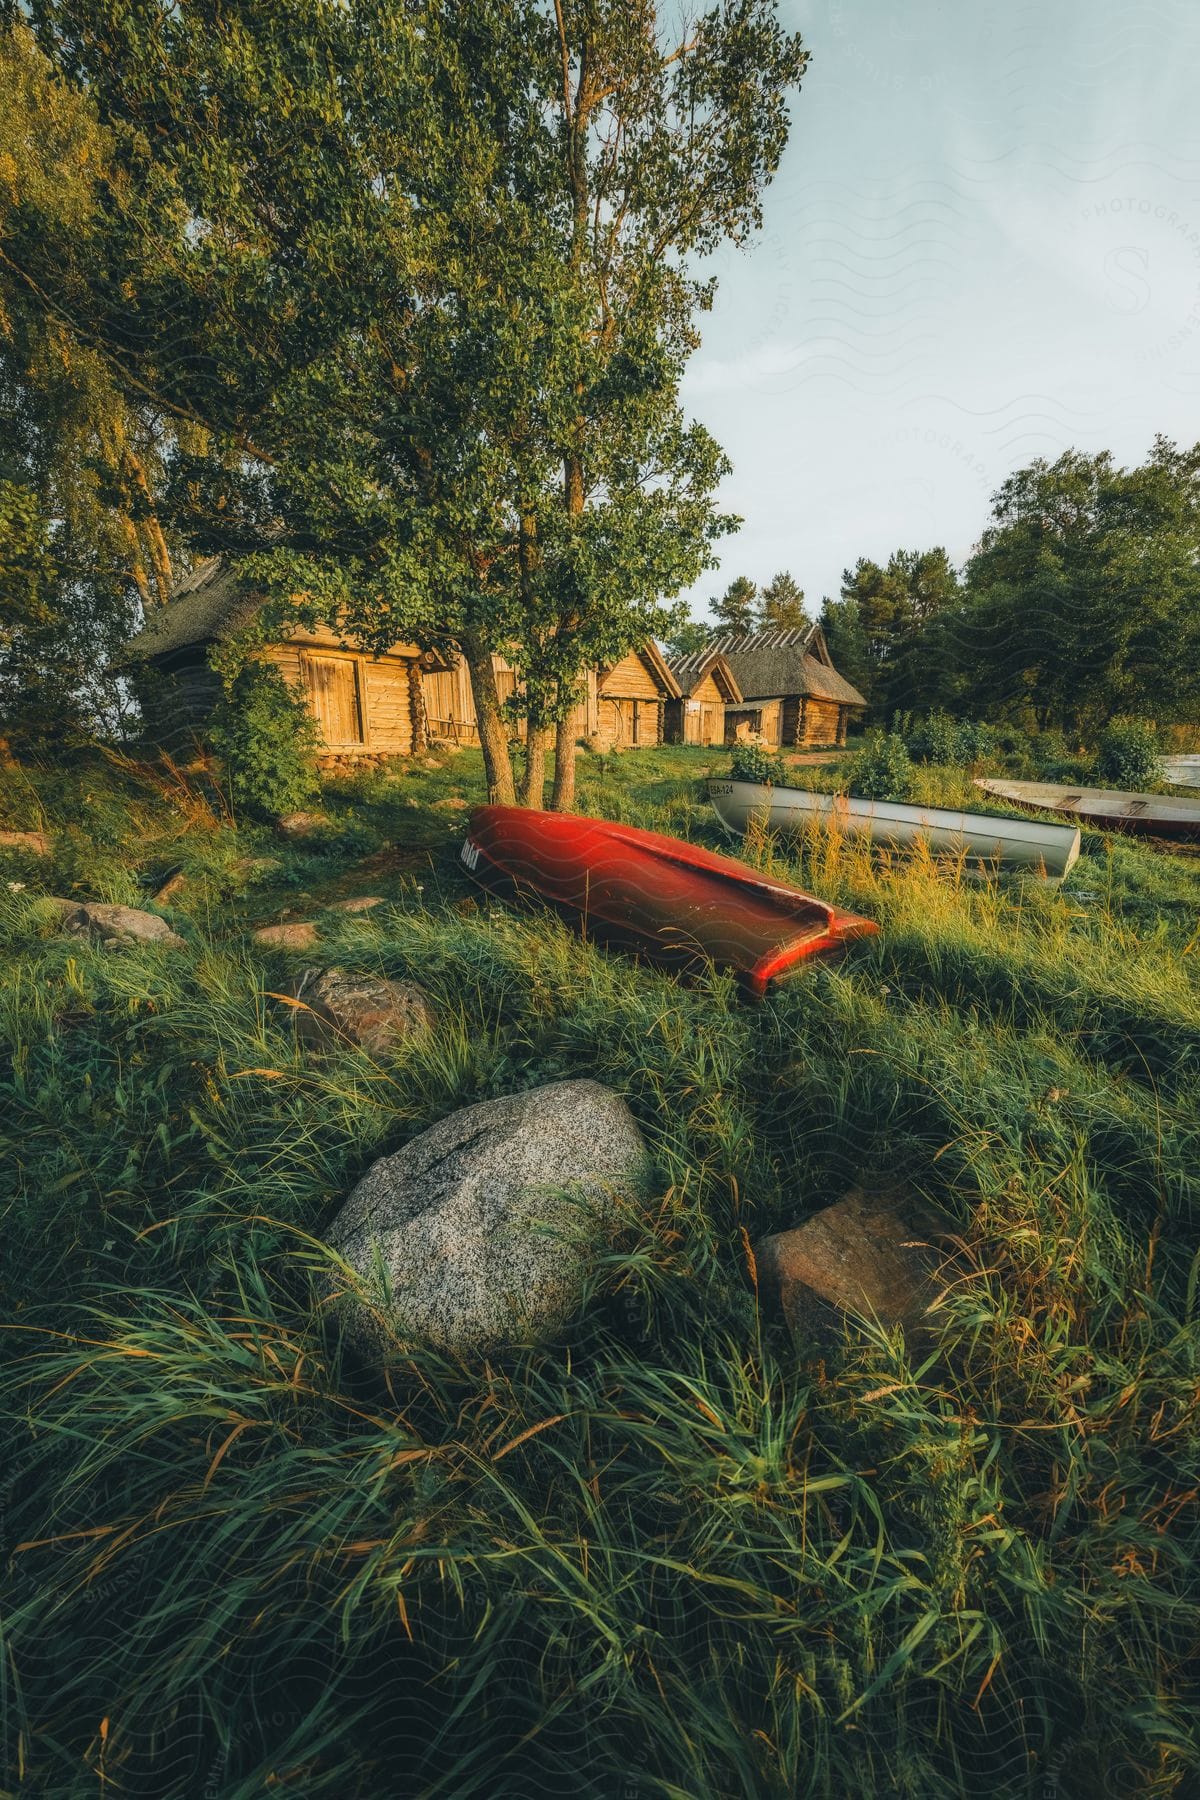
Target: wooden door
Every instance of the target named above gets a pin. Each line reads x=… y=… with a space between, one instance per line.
x=617 y=719
x=333 y=690
x=643 y=721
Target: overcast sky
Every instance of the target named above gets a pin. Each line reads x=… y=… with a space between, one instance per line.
x=983 y=246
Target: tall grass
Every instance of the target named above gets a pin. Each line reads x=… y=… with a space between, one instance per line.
x=670 y=1553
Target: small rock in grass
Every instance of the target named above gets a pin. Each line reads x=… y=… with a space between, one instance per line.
x=34 y=841
x=356 y=904
x=481 y=1231
x=872 y=1256
x=367 y=1010
x=297 y=823
x=173 y=885
x=300 y=935
x=113 y=925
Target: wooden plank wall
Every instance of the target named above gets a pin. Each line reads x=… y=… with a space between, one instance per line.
x=694 y=722
x=820 y=723
x=388 y=706
x=630 y=679
x=383 y=685
x=450 y=703
x=765 y=717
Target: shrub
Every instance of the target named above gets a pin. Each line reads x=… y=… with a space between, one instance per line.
x=266 y=738
x=882 y=770
x=937 y=738
x=1128 y=755
x=754 y=762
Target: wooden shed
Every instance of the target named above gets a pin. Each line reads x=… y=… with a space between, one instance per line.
x=625 y=704
x=621 y=706
x=707 y=686
x=367 y=708
x=789 y=684
x=449 y=702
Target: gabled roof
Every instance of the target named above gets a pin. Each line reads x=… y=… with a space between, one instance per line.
x=770 y=664
x=655 y=661
x=690 y=671
x=205 y=605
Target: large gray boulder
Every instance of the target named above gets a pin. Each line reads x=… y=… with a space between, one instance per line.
x=480 y=1231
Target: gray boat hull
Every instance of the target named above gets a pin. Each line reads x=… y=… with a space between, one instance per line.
x=1024 y=844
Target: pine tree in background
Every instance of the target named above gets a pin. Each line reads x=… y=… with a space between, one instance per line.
x=734 y=609
x=781 y=604
x=843 y=632
x=688 y=638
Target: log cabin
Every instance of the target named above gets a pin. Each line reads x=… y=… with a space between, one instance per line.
x=368 y=708
x=792 y=694
x=621 y=706
x=625 y=705
x=707 y=686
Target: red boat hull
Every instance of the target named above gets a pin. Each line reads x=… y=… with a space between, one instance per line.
x=670 y=901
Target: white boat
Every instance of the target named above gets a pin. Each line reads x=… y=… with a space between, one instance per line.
x=1027 y=844
x=1182 y=771
x=1106 y=809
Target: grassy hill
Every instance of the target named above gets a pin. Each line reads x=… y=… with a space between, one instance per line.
x=667 y=1555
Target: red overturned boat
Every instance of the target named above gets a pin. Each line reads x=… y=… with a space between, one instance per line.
x=671 y=901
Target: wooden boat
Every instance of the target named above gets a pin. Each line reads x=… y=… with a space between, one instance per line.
x=1184 y=771
x=672 y=902
x=1028 y=844
x=1106 y=809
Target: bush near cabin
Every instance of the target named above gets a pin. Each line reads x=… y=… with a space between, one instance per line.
x=754 y=762
x=266 y=738
x=939 y=738
x=882 y=769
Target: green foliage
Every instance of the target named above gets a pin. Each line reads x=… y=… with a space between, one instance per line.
x=754 y=762
x=687 y=637
x=81 y=464
x=882 y=769
x=1128 y=756
x=841 y=625
x=734 y=610
x=437 y=399
x=781 y=604
x=888 y=620
x=266 y=737
x=938 y=738
x=1084 y=596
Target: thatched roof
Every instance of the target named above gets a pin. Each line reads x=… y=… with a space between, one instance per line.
x=768 y=665
x=205 y=606
x=690 y=671
x=211 y=604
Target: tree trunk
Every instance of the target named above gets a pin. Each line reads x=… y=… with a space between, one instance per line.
x=533 y=787
x=562 y=794
x=416 y=698
x=493 y=732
